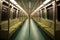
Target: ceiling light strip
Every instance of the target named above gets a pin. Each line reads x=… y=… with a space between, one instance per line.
x=45 y=2
x=14 y=2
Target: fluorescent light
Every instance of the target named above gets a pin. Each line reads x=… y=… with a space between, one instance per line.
x=14 y=2
x=45 y=2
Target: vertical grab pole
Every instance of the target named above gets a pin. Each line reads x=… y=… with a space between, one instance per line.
x=8 y=18
x=0 y=12
x=55 y=8
x=29 y=25
x=29 y=19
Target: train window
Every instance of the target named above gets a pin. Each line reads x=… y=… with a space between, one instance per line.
x=18 y=14
x=11 y=12
x=14 y=13
x=43 y=13
x=4 y=14
x=50 y=13
x=58 y=13
x=39 y=13
x=58 y=2
x=5 y=4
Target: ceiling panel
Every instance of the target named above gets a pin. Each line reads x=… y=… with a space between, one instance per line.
x=33 y=4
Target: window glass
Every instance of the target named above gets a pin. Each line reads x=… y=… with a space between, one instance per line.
x=14 y=13
x=58 y=13
x=50 y=13
x=40 y=13
x=4 y=14
x=43 y=13
x=18 y=14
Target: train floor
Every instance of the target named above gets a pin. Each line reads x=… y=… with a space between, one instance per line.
x=30 y=32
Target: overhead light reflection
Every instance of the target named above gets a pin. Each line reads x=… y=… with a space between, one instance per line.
x=14 y=2
x=45 y=2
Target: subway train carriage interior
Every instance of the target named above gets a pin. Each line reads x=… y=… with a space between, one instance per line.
x=29 y=19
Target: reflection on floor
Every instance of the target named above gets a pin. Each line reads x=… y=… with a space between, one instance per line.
x=31 y=32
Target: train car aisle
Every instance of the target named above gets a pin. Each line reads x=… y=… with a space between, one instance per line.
x=31 y=32
x=37 y=33
x=22 y=34
x=34 y=32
